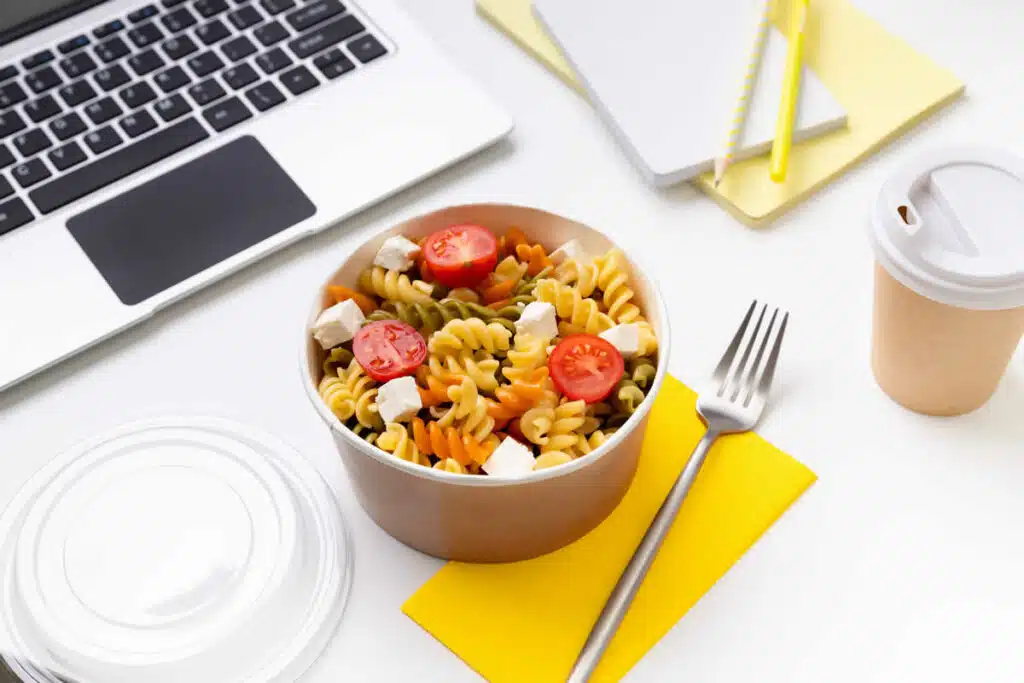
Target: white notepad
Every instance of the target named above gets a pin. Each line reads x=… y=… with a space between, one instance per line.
x=665 y=76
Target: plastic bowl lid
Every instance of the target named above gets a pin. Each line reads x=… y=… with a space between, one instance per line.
x=172 y=550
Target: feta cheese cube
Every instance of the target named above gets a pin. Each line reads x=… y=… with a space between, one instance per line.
x=626 y=338
x=338 y=324
x=397 y=253
x=399 y=400
x=510 y=459
x=538 y=319
x=570 y=250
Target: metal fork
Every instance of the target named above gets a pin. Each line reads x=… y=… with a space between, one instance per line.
x=733 y=403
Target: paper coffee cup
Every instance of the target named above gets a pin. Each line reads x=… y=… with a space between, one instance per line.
x=948 y=236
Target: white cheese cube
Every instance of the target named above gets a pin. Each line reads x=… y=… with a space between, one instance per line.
x=510 y=459
x=570 y=250
x=538 y=319
x=626 y=338
x=397 y=253
x=338 y=324
x=399 y=400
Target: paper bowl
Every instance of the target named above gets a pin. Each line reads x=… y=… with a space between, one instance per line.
x=483 y=518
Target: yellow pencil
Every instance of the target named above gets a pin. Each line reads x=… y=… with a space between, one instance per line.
x=790 y=91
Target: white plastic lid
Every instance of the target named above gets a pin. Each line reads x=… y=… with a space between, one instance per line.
x=172 y=551
x=950 y=226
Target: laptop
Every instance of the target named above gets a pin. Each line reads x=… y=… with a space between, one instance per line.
x=149 y=148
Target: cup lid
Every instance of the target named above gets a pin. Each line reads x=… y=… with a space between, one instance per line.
x=172 y=550
x=950 y=225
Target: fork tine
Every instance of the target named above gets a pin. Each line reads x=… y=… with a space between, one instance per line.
x=730 y=353
x=744 y=372
x=764 y=382
x=747 y=383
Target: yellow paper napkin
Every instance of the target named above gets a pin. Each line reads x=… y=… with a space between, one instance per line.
x=884 y=84
x=526 y=621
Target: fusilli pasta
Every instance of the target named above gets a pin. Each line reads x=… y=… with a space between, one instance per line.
x=472 y=334
x=614 y=283
x=395 y=440
x=469 y=410
x=395 y=286
x=581 y=313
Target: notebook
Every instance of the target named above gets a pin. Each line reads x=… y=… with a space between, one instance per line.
x=665 y=76
x=884 y=96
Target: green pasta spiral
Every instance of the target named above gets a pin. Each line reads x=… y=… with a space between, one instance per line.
x=627 y=396
x=642 y=371
x=430 y=317
x=339 y=357
x=528 y=284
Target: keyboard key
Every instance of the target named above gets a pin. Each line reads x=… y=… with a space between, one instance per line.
x=6 y=156
x=212 y=32
x=225 y=114
x=43 y=79
x=329 y=57
x=313 y=13
x=245 y=17
x=31 y=172
x=67 y=156
x=143 y=13
x=338 y=68
x=103 y=110
x=38 y=59
x=204 y=64
x=178 y=48
x=209 y=8
x=145 y=62
x=366 y=48
x=87 y=179
x=112 y=77
x=78 y=64
x=72 y=44
x=274 y=61
x=31 y=142
x=238 y=49
x=6 y=190
x=8 y=72
x=326 y=35
x=265 y=96
x=277 y=6
x=14 y=214
x=178 y=20
x=138 y=123
x=10 y=123
x=299 y=80
x=271 y=33
x=136 y=95
x=206 y=92
x=172 y=107
x=146 y=35
x=43 y=108
x=67 y=126
x=109 y=29
x=239 y=76
x=172 y=3
x=101 y=140
x=11 y=94
x=76 y=93
x=172 y=79
x=112 y=50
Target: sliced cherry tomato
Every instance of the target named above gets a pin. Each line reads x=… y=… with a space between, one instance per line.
x=388 y=349
x=585 y=367
x=462 y=255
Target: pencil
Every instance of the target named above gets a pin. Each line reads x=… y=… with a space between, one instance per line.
x=739 y=115
x=790 y=91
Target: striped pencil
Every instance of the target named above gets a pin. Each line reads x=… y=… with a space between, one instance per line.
x=739 y=115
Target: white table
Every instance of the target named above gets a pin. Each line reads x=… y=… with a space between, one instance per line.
x=904 y=563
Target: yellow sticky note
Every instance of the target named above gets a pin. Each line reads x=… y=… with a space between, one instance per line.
x=884 y=84
x=526 y=621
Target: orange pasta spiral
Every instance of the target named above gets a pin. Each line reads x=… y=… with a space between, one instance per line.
x=534 y=256
x=449 y=443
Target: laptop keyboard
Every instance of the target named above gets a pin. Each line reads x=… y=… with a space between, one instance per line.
x=97 y=107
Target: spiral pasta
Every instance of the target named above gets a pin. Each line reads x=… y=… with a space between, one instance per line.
x=450 y=465
x=527 y=354
x=363 y=391
x=504 y=280
x=586 y=445
x=448 y=443
x=396 y=440
x=581 y=275
x=581 y=313
x=338 y=357
x=568 y=419
x=516 y=398
x=334 y=392
x=469 y=410
x=431 y=316
x=641 y=370
x=472 y=334
x=395 y=286
x=614 y=283
x=479 y=367
x=648 y=340
x=534 y=256
x=627 y=396
x=551 y=459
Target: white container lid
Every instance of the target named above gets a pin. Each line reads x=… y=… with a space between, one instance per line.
x=172 y=551
x=950 y=226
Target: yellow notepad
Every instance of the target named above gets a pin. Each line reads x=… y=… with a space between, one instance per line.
x=526 y=621
x=885 y=86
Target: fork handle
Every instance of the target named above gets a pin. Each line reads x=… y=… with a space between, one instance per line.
x=622 y=596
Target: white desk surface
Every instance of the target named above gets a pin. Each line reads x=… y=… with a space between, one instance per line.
x=903 y=563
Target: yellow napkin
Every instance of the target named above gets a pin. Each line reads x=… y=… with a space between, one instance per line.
x=885 y=86
x=527 y=621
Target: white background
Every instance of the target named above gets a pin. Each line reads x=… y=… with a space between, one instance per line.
x=904 y=563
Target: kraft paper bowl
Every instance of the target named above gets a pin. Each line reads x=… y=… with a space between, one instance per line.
x=481 y=518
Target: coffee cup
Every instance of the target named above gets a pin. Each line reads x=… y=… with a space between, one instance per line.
x=948 y=237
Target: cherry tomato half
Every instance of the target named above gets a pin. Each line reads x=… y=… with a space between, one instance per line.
x=462 y=255
x=585 y=367
x=388 y=349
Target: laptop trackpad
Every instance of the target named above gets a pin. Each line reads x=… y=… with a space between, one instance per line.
x=181 y=223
